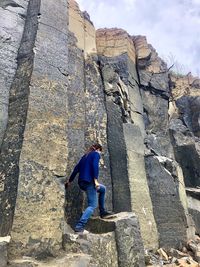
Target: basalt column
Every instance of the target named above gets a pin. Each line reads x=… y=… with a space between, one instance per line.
x=96 y=121
x=88 y=118
x=11 y=29
x=185 y=129
x=162 y=170
x=76 y=111
x=37 y=228
x=16 y=79
x=125 y=129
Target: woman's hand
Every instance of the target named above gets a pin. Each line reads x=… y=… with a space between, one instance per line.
x=67 y=184
x=97 y=185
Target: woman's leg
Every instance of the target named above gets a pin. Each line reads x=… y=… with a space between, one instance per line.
x=102 y=192
x=92 y=204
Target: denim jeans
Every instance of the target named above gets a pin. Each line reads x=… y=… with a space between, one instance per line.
x=91 y=193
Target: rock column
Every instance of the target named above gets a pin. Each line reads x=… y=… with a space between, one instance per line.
x=37 y=228
x=161 y=167
x=126 y=129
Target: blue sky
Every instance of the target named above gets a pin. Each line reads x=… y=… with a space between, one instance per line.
x=171 y=26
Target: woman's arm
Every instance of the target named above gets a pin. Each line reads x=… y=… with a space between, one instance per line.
x=72 y=176
x=96 y=168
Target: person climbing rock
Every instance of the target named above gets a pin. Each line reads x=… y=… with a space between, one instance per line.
x=88 y=169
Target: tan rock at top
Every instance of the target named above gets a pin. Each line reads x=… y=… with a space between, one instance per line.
x=82 y=28
x=141 y=46
x=147 y=56
x=114 y=42
x=185 y=85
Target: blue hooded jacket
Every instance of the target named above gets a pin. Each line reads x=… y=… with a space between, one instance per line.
x=88 y=168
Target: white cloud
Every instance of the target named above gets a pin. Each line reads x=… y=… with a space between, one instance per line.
x=129 y=4
x=172 y=27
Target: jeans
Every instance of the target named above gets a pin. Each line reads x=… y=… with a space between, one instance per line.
x=91 y=193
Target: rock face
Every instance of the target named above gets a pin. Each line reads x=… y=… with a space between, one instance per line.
x=17 y=110
x=82 y=28
x=115 y=42
x=11 y=30
x=193 y=196
x=125 y=124
x=184 y=129
x=3 y=254
x=4 y=242
x=162 y=170
x=35 y=127
x=64 y=86
x=116 y=242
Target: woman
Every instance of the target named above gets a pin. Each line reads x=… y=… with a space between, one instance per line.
x=88 y=169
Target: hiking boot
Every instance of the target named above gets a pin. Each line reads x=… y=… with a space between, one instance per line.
x=106 y=215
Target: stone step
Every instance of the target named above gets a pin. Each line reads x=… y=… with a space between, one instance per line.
x=69 y=260
x=4 y=241
x=111 y=242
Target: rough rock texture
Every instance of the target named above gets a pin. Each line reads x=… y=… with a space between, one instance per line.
x=161 y=168
x=101 y=248
x=17 y=111
x=69 y=260
x=96 y=121
x=129 y=242
x=65 y=86
x=83 y=29
x=75 y=129
x=3 y=254
x=37 y=227
x=4 y=243
x=168 y=209
x=115 y=42
x=118 y=242
x=125 y=124
x=193 y=197
x=87 y=120
x=184 y=128
x=12 y=20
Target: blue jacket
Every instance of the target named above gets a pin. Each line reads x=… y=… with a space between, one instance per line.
x=88 y=168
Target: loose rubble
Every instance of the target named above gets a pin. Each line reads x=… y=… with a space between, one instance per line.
x=188 y=256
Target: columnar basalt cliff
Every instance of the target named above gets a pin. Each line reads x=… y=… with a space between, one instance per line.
x=65 y=85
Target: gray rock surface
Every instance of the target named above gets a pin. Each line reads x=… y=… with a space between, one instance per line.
x=3 y=254
x=168 y=209
x=193 y=197
x=101 y=247
x=18 y=105
x=37 y=227
x=75 y=129
x=166 y=192
x=96 y=121
x=125 y=142
x=129 y=242
x=12 y=20
x=184 y=130
x=56 y=100
x=186 y=146
x=116 y=242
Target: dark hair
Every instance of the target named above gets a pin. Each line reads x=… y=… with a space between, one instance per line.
x=95 y=147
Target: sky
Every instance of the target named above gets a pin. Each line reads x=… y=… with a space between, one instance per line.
x=171 y=26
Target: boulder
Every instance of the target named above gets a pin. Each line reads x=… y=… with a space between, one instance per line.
x=114 y=242
x=3 y=254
